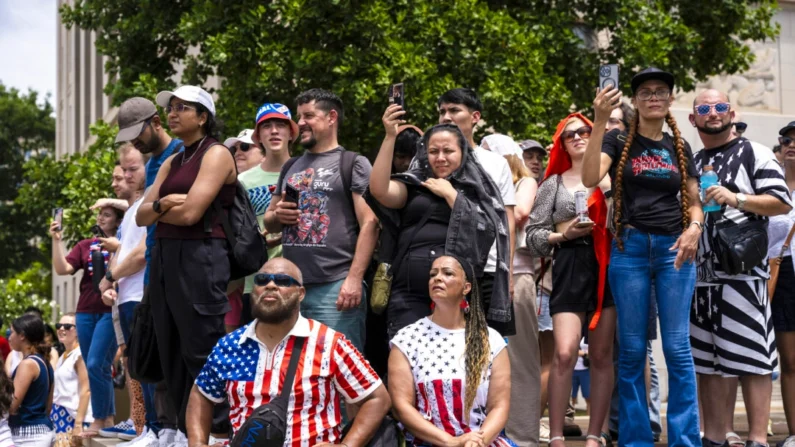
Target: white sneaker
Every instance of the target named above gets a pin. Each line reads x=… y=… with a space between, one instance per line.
x=130 y=441
x=147 y=439
x=543 y=432
x=789 y=442
x=166 y=437
x=222 y=441
x=180 y=440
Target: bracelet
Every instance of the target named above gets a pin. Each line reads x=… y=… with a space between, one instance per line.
x=698 y=224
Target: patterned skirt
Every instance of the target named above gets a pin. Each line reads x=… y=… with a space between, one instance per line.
x=62 y=419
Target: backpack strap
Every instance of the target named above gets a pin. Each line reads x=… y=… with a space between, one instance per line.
x=286 y=168
x=287 y=387
x=347 y=160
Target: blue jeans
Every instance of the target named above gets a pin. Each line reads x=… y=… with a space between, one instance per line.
x=320 y=304
x=98 y=344
x=125 y=319
x=647 y=262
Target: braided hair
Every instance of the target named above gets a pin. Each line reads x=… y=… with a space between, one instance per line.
x=679 y=145
x=476 y=346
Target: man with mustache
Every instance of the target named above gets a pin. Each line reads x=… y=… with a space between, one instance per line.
x=328 y=230
x=245 y=367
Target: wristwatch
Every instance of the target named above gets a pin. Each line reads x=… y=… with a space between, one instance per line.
x=109 y=275
x=741 y=199
x=156 y=206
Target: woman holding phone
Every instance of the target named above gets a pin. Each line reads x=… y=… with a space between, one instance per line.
x=93 y=318
x=658 y=220
x=576 y=236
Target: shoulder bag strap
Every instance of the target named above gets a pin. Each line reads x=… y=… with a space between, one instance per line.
x=785 y=247
x=404 y=248
x=287 y=387
x=347 y=160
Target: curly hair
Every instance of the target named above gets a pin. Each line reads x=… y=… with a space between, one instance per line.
x=6 y=393
x=679 y=145
x=477 y=346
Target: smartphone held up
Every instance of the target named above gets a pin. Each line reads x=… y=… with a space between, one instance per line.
x=57 y=216
x=397 y=95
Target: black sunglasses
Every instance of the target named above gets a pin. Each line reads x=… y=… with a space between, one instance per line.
x=64 y=326
x=584 y=132
x=245 y=147
x=280 y=279
x=786 y=141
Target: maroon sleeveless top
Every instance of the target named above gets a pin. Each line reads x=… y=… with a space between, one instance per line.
x=184 y=170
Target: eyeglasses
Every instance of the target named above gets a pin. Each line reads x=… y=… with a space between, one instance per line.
x=646 y=94
x=280 y=279
x=786 y=141
x=584 y=132
x=64 y=326
x=705 y=109
x=244 y=147
x=179 y=108
x=740 y=127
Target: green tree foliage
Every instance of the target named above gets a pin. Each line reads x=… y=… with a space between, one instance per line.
x=531 y=61
x=27 y=130
x=74 y=183
x=30 y=287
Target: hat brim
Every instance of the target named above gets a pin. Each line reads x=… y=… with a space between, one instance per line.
x=163 y=98
x=230 y=142
x=535 y=148
x=786 y=129
x=267 y=116
x=130 y=133
x=639 y=79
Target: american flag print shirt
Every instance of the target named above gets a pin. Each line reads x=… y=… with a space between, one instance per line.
x=242 y=370
x=437 y=358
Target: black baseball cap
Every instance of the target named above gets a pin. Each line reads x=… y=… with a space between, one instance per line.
x=652 y=73
x=787 y=128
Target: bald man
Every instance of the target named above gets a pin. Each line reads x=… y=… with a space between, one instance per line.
x=731 y=331
x=247 y=368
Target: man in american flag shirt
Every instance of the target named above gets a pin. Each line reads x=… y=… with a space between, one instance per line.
x=247 y=368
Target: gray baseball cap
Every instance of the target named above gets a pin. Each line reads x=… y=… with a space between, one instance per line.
x=527 y=145
x=133 y=114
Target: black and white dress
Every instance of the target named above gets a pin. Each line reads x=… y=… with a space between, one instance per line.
x=731 y=331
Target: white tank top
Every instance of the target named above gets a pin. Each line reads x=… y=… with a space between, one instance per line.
x=67 y=385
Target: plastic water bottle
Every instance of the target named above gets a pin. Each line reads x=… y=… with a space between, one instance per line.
x=709 y=178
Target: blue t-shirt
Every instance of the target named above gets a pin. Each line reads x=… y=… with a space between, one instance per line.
x=152 y=166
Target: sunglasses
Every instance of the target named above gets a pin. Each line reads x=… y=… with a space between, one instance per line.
x=584 y=132
x=645 y=94
x=244 y=147
x=179 y=108
x=740 y=126
x=705 y=109
x=64 y=326
x=786 y=141
x=280 y=279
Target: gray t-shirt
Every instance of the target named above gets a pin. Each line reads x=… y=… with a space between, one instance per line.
x=323 y=242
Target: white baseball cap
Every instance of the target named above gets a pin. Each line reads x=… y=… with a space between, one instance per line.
x=244 y=137
x=189 y=93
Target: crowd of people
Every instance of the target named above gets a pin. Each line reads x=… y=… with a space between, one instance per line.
x=451 y=291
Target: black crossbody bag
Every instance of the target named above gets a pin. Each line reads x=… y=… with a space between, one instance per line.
x=739 y=247
x=267 y=425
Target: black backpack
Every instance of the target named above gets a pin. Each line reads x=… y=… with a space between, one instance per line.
x=267 y=425
x=247 y=249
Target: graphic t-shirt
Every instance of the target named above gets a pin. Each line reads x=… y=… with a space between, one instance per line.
x=131 y=288
x=260 y=185
x=652 y=181
x=323 y=242
x=79 y=257
x=437 y=357
x=152 y=166
x=749 y=168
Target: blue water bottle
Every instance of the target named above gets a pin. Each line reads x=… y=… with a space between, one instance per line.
x=709 y=178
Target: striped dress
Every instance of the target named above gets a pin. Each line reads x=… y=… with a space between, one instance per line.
x=731 y=330
x=436 y=356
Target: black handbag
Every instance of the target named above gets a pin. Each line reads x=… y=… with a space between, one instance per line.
x=267 y=425
x=387 y=435
x=142 y=352
x=741 y=247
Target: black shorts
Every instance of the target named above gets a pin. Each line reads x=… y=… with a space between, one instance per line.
x=575 y=279
x=783 y=305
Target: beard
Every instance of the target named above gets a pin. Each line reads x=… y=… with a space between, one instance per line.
x=714 y=130
x=152 y=145
x=275 y=313
x=310 y=143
